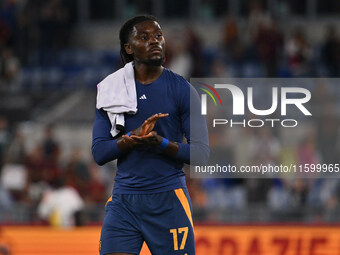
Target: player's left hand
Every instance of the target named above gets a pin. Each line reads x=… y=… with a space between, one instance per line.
x=148 y=125
x=151 y=139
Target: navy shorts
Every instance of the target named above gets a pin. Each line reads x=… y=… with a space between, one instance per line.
x=163 y=220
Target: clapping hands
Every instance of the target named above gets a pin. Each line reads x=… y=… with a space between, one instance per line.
x=144 y=135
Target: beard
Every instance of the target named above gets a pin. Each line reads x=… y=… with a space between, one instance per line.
x=155 y=61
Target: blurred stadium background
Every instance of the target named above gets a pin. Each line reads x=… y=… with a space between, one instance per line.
x=53 y=53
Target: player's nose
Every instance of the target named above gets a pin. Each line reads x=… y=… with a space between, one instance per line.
x=153 y=39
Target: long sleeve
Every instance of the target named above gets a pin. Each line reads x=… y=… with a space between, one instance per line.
x=104 y=147
x=194 y=126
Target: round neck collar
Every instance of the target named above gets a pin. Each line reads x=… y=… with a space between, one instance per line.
x=154 y=80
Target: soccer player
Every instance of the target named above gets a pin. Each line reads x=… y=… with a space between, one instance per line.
x=150 y=201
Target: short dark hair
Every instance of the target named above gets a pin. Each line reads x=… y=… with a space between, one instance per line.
x=125 y=31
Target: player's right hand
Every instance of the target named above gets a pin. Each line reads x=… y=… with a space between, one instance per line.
x=151 y=139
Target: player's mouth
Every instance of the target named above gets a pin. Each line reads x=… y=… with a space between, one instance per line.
x=156 y=50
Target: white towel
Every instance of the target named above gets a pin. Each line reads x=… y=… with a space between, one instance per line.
x=117 y=95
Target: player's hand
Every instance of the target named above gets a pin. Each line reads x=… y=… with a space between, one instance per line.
x=151 y=139
x=125 y=144
x=148 y=125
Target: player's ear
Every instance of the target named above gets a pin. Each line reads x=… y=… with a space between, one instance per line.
x=128 y=48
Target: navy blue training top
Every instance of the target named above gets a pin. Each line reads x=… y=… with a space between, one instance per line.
x=147 y=169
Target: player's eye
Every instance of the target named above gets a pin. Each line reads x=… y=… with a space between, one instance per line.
x=159 y=35
x=143 y=37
